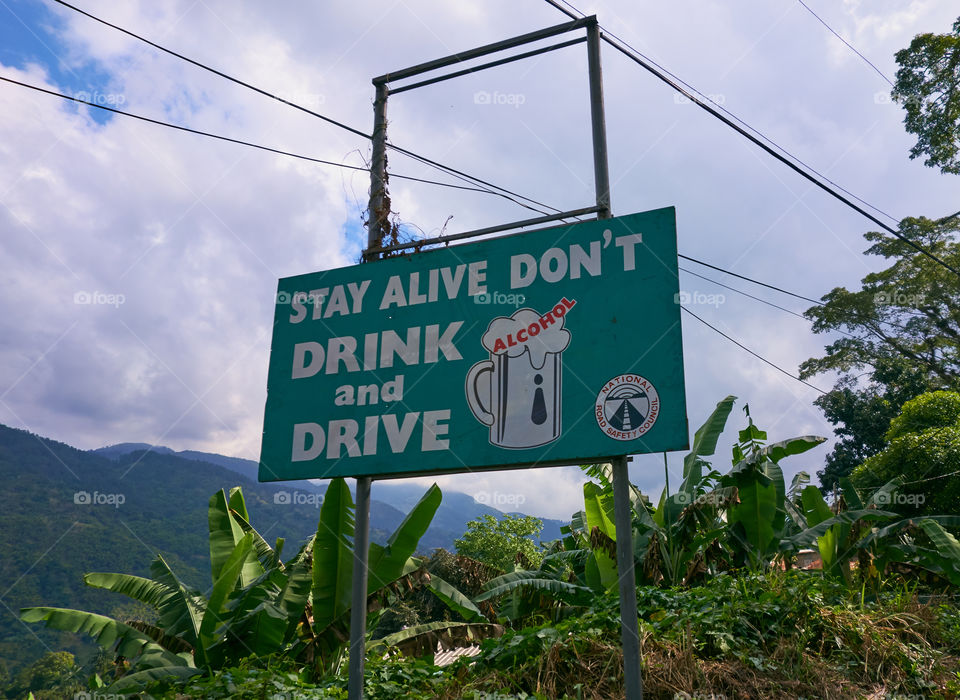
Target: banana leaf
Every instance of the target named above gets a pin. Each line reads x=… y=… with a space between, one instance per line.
x=333 y=555
x=705 y=444
x=387 y=564
x=105 y=631
x=455 y=600
x=230 y=574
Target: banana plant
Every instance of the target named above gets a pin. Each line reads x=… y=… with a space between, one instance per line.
x=667 y=540
x=189 y=623
x=676 y=541
x=390 y=568
x=860 y=529
x=256 y=604
x=757 y=518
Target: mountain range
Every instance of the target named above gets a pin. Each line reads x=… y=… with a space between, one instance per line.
x=65 y=512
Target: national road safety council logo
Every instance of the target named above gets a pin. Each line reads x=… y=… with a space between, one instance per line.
x=627 y=407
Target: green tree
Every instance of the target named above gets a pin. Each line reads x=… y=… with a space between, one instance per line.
x=924 y=450
x=53 y=675
x=862 y=415
x=928 y=87
x=901 y=336
x=499 y=542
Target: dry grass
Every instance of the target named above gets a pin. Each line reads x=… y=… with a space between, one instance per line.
x=883 y=646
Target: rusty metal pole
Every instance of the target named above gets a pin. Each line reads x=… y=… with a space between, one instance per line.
x=376 y=220
x=629 y=620
x=377 y=217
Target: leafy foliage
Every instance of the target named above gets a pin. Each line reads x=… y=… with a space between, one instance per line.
x=901 y=338
x=499 y=543
x=924 y=448
x=861 y=413
x=910 y=311
x=928 y=87
x=257 y=605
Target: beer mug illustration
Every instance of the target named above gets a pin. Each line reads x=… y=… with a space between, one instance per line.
x=518 y=390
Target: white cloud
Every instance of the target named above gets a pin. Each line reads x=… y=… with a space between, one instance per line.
x=194 y=233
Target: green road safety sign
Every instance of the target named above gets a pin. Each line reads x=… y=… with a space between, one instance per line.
x=559 y=346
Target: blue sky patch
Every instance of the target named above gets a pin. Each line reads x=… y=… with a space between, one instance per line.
x=30 y=34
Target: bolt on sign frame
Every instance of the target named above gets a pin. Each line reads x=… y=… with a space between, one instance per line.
x=377 y=226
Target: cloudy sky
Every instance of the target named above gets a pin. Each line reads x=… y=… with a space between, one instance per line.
x=140 y=263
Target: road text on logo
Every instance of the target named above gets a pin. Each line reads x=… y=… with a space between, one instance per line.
x=627 y=407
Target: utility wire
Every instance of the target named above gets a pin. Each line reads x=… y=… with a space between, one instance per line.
x=232 y=140
x=750 y=279
x=848 y=44
x=740 y=291
x=329 y=120
x=440 y=165
x=660 y=73
x=770 y=286
x=625 y=48
x=727 y=112
x=397 y=175
x=405 y=177
x=414 y=179
x=758 y=356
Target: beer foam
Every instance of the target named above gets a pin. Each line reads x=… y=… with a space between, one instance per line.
x=550 y=337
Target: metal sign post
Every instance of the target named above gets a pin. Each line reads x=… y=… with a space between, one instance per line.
x=629 y=620
x=361 y=370
x=377 y=222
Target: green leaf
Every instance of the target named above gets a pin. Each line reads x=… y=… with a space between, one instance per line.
x=267 y=555
x=773 y=472
x=295 y=595
x=387 y=564
x=455 y=600
x=705 y=443
x=815 y=509
x=423 y=639
x=180 y=612
x=225 y=534
x=881 y=534
x=800 y=480
x=333 y=555
x=517 y=580
x=756 y=513
x=946 y=544
x=229 y=576
x=883 y=495
x=237 y=503
x=139 y=679
x=105 y=631
x=807 y=537
x=599 y=512
x=145 y=590
x=850 y=495
x=793 y=446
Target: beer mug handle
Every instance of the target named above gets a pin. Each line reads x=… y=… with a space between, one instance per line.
x=473 y=396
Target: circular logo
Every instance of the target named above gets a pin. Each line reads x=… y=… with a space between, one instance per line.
x=627 y=407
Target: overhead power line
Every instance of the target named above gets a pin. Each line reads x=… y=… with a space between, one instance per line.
x=726 y=111
x=847 y=43
x=346 y=127
x=749 y=279
x=757 y=355
x=621 y=46
x=228 y=139
x=401 y=176
x=740 y=291
x=773 y=287
x=673 y=82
